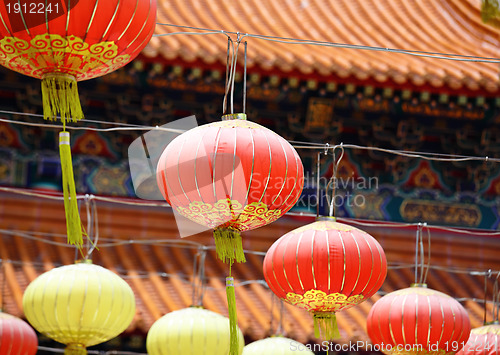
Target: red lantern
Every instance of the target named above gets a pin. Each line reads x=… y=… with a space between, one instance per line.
x=325 y=267
x=484 y=340
x=62 y=42
x=62 y=45
x=418 y=320
x=231 y=176
x=16 y=336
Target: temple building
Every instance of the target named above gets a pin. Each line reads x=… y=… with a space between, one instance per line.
x=389 y=79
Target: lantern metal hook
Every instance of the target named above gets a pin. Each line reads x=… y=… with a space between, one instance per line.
x=231 y=63
x=92 y=225
x=333 y=180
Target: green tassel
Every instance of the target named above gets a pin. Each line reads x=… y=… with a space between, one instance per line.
x=490 y=12
x=325 y=325
x=233 y=319
x=60 y=96
x=229 y=246
x=73 y=222
x=75 y=349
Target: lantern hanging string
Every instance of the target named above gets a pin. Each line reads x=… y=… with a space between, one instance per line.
x=496 y=299
x=422 y=258
x=199 y=284
x=2 y=285
x=271 y=312
x=245 y=80
x=280 y=329
x=487 y=275
x=333 y=180
x=428 y=263
x=226 y=85
x=417 y=239
x=92 y=225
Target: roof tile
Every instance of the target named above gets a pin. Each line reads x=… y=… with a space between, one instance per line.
x=441 y=26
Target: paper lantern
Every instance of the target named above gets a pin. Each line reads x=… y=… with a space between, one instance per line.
x=484 y=340
x=276 y=346
x=325 y=267
x=79 y=305
x=62 y=42
x=230 y=176
x=191 y=331
x=418 y=320
x=16 y=336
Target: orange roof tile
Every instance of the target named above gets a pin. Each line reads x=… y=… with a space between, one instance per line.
x=442 y=26
x=161 y=273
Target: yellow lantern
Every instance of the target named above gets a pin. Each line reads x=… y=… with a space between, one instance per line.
x=79 y=305
x=276 y=346
x=191 y=331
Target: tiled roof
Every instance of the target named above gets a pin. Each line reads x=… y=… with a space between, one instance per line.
x=444 y=26
x=160 y=274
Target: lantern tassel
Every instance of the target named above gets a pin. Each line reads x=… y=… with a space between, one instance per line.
x=233 y=319
x=325 y=325
x=60 y=96
x=75 y=349
x=73 y=222
x=229 y=246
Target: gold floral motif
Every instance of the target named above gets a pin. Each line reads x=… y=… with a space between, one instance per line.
x=317 y=300
x=230 y=213
x=48 y=53
x=395 y=350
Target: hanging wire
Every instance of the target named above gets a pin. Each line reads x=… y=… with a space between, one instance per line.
x=430 y=156
x=289 y=40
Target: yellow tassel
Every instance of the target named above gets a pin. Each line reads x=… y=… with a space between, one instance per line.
x=233 y=319
x=60 y=96
x=73 y=222
x=75 y=349
x=325 y=325
x=229 y=246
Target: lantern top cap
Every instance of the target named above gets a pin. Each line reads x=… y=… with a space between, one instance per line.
x=418 y=285
x=234 y=116
x=84 y=261
x=55 y=75
x=326 y=218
